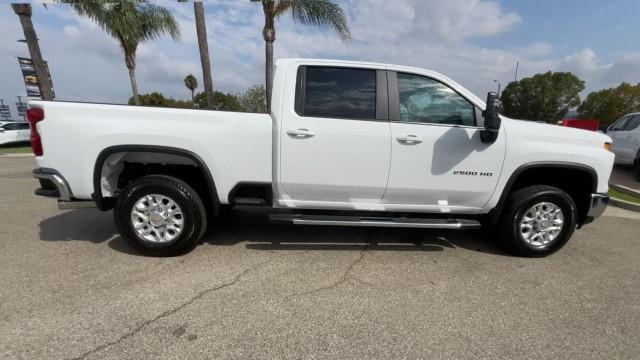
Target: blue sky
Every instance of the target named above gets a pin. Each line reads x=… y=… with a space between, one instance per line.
x=472 y=41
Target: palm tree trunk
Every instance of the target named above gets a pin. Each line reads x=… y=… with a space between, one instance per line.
x=130 y=60
x=201 y=29
x=193 y=98
x=269 y=35
x=24 y=13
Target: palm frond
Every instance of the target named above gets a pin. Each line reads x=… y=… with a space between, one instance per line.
x=317 y=12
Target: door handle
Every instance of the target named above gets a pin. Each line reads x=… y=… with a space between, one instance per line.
x=409 y=139
x=300 y=133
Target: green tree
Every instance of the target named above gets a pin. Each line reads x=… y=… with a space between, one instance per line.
x=608 y=105
x=191 y=83
x=130 y=22
x=306 y=12
x=222 y=101
x=156 y=99
x=254 y=100
x=545 y=97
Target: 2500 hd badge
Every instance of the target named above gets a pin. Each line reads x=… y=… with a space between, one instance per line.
x=472 y=173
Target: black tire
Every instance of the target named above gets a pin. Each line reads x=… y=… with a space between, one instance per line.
x=193 y=214
x=515 y=208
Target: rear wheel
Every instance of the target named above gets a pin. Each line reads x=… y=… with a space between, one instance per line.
x=160 y=216
x=537 y=221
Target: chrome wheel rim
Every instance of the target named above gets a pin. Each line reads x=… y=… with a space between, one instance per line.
x=541 y=224
x=157 y=219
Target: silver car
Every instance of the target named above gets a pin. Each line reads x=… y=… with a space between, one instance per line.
x=625 y=133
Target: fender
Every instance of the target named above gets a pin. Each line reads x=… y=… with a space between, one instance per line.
x=108 y=203
x=494 y=214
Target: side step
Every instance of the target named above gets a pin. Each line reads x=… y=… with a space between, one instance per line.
x=249 y=201
x=299 y=219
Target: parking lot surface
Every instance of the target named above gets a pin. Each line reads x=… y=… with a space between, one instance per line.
x=71 y=288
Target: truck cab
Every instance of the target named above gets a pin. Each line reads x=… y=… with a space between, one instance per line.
x=346 y=143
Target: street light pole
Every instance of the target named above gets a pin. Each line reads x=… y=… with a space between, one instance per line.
x=496 y=81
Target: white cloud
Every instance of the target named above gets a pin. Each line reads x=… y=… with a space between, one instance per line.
x=88 y=65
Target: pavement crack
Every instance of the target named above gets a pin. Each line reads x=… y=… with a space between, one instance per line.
x=172 y=311
x=346 y=276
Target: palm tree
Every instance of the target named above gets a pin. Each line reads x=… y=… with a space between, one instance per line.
x=191 y=83
x=24 y=13
x=130 y=22
x=306 y=12
x=201 y=30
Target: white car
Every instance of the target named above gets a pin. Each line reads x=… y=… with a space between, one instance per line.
x=625 y=133
x=14 y=132
x=346 y=144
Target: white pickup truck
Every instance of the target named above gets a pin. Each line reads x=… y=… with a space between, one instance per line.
x=346 y=143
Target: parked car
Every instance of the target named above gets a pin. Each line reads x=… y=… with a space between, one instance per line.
x=625 y=133
x=346 y=144
x=14 y=132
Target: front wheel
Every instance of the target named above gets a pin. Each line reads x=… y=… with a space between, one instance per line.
x=160 y=216
x=537 y=221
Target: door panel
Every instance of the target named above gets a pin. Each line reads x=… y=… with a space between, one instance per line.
x=344 y=161
x=438 y=162
x=451 y=167
x=335 y=147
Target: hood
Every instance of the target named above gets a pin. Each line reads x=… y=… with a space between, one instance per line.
x=555 y=133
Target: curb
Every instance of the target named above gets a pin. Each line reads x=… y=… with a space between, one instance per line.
x=624 y=204
x=16 y=155
x=625 y=190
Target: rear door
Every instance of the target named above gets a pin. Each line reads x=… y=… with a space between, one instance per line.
x=438 y=161
x=335 y=142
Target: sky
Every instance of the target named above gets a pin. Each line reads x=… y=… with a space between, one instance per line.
x=472 y=41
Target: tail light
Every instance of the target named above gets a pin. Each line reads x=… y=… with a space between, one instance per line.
x=35 y=115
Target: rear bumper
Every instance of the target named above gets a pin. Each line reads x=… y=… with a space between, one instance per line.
x=598 y=205
x=54 y=185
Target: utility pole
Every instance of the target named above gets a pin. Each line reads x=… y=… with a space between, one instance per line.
x=515 y=77
x=24 y=13
x=499 y=85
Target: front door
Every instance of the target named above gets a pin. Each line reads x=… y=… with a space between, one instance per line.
x=438 y=161
x=335 y=145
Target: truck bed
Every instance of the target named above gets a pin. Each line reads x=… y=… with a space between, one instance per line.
x=235 y=146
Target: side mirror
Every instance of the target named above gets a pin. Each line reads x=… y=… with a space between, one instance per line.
x=491 y=119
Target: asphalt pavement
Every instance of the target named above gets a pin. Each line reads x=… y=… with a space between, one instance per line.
x=71 y=288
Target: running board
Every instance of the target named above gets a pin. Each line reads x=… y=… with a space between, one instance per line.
x=375 y=221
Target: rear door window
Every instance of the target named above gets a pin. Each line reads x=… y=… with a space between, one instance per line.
x=346 y=93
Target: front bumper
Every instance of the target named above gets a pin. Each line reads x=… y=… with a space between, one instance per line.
x=598 y=205
x=53 y=184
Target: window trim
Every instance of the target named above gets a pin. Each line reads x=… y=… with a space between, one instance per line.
x=382 y=102
x=394 y=101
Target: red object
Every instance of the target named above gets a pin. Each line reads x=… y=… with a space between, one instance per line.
x=35 y=115
x=586 y=124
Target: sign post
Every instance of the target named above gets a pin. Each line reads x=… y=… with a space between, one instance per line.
x=31 y=81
